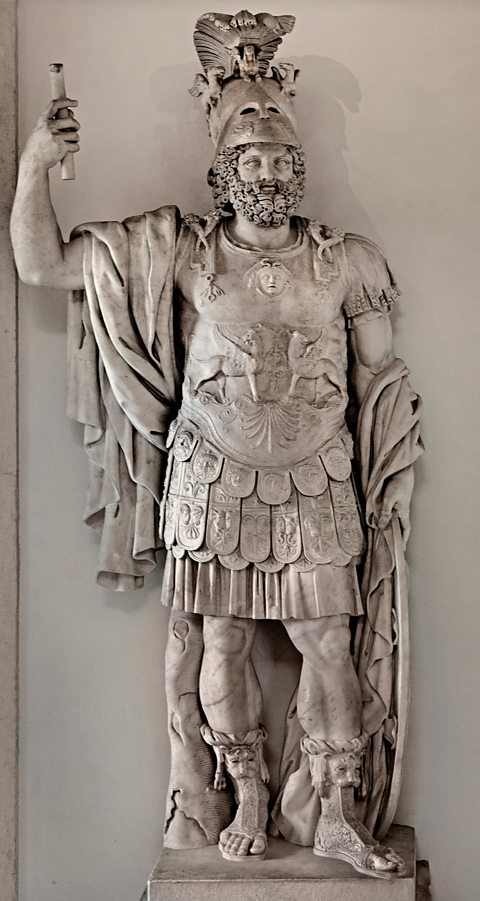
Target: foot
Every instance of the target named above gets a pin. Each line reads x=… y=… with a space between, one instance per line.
x=242 y=757
x=336 y=770
x=350 y=841
x=245 y=838
x=241 y=845
x=385 y=860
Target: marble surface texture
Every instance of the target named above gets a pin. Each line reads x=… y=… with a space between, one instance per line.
x=234 y=343
x=288 y=872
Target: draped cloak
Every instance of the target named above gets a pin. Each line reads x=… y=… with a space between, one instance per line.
x=123 y=384
x=124 y=387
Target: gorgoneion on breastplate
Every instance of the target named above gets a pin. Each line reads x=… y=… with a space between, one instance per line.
x=259 y=466
x=265 y=348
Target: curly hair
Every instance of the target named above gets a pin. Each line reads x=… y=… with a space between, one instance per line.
x=223 y=172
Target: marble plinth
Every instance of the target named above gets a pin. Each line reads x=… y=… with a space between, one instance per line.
x=289 y=872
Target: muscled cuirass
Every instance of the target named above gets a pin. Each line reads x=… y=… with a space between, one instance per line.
x=259 y=464
x=265 y=349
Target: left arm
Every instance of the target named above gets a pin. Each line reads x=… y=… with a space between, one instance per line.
x=372 y=350
x=371 y=346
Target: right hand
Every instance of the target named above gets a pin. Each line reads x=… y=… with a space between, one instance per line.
x=53 y=137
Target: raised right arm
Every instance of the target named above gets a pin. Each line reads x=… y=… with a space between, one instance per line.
x=41 y=255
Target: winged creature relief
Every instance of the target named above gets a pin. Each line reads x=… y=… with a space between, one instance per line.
x=241 y=357
x=264 y=524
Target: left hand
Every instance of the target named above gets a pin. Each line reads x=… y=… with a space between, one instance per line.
x=396 y=499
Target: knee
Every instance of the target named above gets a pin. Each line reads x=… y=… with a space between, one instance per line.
x=228 y=636
x=324 y=641
x=334 y=646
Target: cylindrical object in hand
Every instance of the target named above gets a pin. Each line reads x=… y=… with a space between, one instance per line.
x=57 y=84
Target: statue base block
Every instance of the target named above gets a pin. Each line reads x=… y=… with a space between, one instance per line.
x=288 y=872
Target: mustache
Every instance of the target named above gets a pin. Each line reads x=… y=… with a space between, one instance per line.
x=256 y=187
x=266 y=202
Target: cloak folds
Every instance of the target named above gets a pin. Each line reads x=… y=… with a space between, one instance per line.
x=387 y=444
x=124 y=388
x=123 y=384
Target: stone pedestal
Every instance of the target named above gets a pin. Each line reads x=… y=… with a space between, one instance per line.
x=289 y=872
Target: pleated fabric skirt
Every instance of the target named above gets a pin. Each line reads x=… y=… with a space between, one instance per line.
x=209 y=588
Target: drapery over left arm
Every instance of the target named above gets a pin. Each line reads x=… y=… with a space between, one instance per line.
x=123 y=384
x=388 y=443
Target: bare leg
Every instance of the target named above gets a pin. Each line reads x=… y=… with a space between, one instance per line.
x=229 y=688
x=329 y=698
x=231 y=698
x=329 y=710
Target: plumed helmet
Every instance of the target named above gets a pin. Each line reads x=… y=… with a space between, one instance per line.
x=243 y=104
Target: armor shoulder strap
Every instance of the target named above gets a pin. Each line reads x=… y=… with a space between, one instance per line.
x=372 y=285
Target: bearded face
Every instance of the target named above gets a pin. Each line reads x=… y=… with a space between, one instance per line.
x=268 y=203
x=262 y=182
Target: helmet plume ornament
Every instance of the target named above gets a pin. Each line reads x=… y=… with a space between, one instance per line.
x=242 y=102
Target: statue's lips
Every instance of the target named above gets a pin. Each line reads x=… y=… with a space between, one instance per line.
x=267 y=191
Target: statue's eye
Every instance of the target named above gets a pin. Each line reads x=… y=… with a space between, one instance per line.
x=247 y=110
x=273 y=109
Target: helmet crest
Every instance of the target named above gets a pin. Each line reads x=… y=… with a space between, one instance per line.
x=243 y=104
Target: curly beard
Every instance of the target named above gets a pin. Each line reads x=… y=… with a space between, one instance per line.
x=269 y=210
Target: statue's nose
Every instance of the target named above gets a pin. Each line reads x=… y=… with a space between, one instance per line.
x=267 y=171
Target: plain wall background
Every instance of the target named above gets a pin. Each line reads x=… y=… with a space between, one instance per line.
x=388 y=111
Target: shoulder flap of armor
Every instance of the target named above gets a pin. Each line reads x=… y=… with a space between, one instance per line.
x=372 y=283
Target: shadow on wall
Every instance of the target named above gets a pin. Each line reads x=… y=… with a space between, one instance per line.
x=326 y=90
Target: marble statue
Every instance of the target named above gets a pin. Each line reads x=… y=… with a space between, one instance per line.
x=243 y=408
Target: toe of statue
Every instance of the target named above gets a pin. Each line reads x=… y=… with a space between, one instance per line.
x=241 y=846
